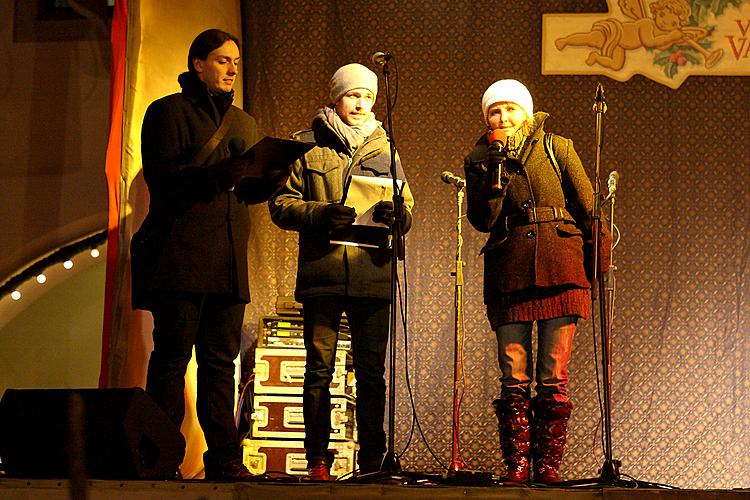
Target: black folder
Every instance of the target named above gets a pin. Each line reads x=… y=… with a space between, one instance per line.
x=272 y=154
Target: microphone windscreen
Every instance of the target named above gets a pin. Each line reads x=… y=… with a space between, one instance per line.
x=498 y=135
x=236 y=146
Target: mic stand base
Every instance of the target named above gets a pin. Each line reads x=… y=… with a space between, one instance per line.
x=609 y=475
x=391 y=464
x=465 y=477
x=390 y=473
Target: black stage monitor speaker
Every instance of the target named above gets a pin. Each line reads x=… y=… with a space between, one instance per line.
x=102 y=433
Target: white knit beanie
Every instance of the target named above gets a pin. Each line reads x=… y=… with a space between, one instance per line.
x=508 y=91
x=352 y=76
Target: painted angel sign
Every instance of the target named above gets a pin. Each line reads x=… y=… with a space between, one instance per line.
x=665 y=40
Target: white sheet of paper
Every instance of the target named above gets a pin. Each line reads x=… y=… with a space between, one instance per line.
x=363 y=193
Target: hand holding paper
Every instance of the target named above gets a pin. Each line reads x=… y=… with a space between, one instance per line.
x=383 y=212
x=336 y=215
x=371 y=198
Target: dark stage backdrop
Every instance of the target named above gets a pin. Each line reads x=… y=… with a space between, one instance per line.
x=681 y=352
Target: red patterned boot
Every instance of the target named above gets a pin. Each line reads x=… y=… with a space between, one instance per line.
x=550 y=432
x=515 y=435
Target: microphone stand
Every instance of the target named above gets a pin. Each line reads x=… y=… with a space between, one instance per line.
x=610 y=471
x=457 y=472
x=609 y=474
x=390 y=464
x=610 y=468
x=390 y=467
x=457 y=461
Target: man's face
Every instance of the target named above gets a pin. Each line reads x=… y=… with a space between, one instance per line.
x=219 y=69
x=508 y=116
x=354 y=107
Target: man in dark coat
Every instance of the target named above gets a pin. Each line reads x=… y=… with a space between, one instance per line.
x=189 y=257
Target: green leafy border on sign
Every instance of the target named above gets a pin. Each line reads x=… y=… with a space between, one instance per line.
x=682 y=55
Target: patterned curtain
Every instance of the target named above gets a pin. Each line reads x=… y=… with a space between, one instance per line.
x=681 y=338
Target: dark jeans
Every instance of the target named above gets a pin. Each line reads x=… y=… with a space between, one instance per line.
x=555 y=343
x=212 y=323
x=368 y=324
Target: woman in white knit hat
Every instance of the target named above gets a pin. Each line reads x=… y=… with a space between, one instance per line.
x=334 y=278
x=529 y=191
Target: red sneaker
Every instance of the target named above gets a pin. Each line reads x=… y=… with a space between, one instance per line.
x=319 y=472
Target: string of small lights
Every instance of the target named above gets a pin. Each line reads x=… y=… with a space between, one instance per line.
x=62 y=255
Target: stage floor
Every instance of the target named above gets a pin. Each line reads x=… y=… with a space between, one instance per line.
x=51 y=489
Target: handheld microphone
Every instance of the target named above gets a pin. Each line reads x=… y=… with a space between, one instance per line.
x=235 y=169
x=236 y=146
x=449 y=178
x=380 y=58
x=498 y=180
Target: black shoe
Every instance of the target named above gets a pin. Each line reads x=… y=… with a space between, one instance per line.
x=369 y=467
x=233 y=470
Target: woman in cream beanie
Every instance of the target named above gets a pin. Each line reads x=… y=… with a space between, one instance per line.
x=534 y=271
x=508 y=91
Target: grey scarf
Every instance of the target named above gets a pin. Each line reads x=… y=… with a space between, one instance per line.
x=353 y=136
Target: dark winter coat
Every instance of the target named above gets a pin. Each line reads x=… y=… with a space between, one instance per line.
x=525 y=250
x=318 y=179
x=194 y=238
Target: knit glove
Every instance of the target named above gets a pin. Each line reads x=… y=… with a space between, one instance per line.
x=383 y=212
x=336 y=215
x=495 y=155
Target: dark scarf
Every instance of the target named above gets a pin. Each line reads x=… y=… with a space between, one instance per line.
x=215 y=103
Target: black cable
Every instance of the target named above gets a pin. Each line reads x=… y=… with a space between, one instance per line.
x=415 y=417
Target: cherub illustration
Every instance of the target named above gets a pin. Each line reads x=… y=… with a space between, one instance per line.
x=668 y=26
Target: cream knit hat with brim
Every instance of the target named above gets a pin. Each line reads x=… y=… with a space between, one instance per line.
x=508 y=91
x=352 y=76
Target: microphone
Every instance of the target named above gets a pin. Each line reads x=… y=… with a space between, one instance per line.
x=612 y=183
x=499 y=178
x=236 y=146
x=449 y=178
x=498 y=135
x=236 y=171
x=600 y=103
x=599 y=97
x=380 y=58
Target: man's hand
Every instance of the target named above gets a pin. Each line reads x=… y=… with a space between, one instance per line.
x=230 y=172
x=336 y=215
x=383 y=212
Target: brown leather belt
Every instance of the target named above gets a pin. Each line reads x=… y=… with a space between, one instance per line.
x=537 y=215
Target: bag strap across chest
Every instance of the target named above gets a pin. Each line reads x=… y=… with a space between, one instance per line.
x=214 y=141
x=550 y=150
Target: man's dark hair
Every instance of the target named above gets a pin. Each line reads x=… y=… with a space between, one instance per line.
x=207 y=42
